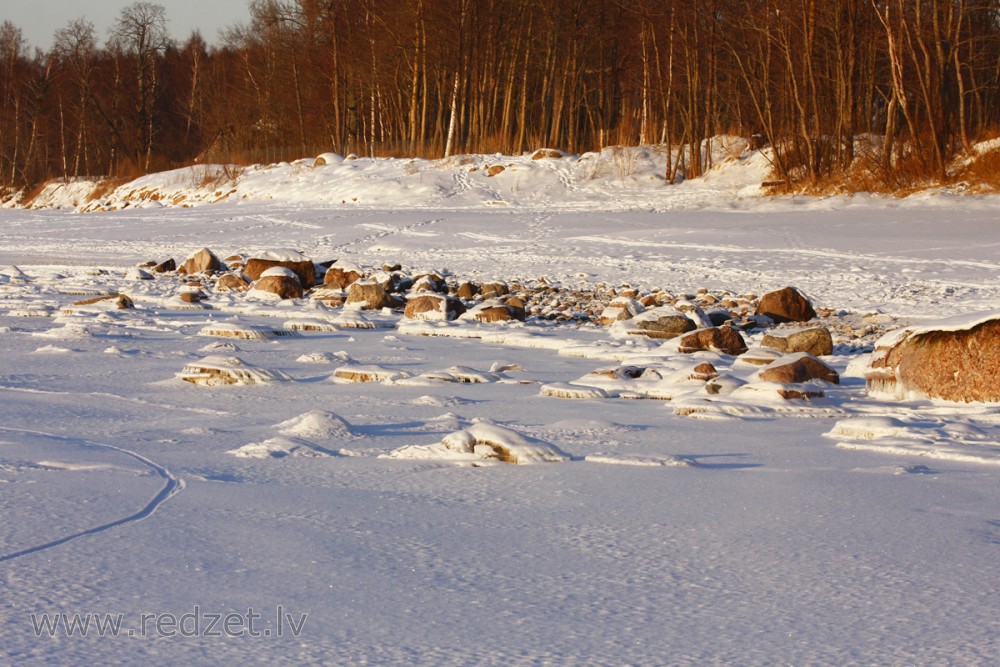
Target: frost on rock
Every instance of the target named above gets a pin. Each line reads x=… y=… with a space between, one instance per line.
x=359 y=374
x=569 y=390
x=301 y=324
x=484 y=444
x=244 y=331
x=215 y=371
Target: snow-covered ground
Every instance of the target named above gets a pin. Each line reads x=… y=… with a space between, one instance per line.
x=735 y=529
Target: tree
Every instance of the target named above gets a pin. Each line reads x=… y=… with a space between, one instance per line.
x=141 y=34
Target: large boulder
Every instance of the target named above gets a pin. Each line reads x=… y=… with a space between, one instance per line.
x=433 y=307
x=495 y=311
x=201 y=261
x=664 y=322
x=620 y=309
x=166 y=266
x=786 y=305
x=279 y=281
x=369 y=294
x=303 y=268
x=798 y=368
x=494 y=289
x=725 y=340
x=342 y=275
x=232 y=282
x=817 y=341
x=954 y=360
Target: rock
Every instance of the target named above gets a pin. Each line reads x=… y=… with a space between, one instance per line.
x=662 y=322
x=429 y=282
x=466 y=290
x=166 y=266
x=137 y=273
x=433 y=307
x=232 y=282
x=724 y=340
x=546 y=154
x=723 y=385
x=704 y=372
x=619 y=310
x=342 y=275
x=694 y=313
x=804 y=394
x=786 y=305
x=121 y=301
x=494 y=311
x=718 y=317
x=945 y=360
x=203 y=261
x=304 y=269
x=494 y=289
x=817 y=341
x=798 y=368
x=282 y=285
x=369 y=294
x=758 y=356
x=191 y=296
x=495 y=169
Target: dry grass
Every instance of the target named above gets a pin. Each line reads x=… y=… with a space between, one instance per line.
x=105 y=187
x=980 y=172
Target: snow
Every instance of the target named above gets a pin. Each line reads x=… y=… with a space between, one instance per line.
x=666 y=519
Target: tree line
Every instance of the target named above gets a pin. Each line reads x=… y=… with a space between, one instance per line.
x=898 y=87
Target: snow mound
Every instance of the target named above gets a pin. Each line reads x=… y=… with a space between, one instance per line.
x=317 y=425
x=869 y=428
x=484 y=444
x=275 y=448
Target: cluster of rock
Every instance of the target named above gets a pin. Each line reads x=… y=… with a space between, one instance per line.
x=953 y=365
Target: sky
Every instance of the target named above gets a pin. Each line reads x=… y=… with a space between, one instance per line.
x=40 y=19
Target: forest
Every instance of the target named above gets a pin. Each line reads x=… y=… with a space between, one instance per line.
x=864 y=94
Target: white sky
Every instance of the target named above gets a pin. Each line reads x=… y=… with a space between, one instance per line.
x=39 y=19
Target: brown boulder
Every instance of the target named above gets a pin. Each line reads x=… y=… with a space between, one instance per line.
x=939 y=362
x=305 y=270
x=704 y=371
x=166 y=266
x=429 y=282
x=546 y=154
x=286 y=287
x=786 y=305
x=231 y=282
x=203 y=261
x=798 y=368
x=338 y=277
x=370 y=294
x=466 y=290
x=433 y=307
x=725 y=340
x=663 y=322
x=122 y=301
x=495 y=312
x=494 y=289
x=817 y=341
